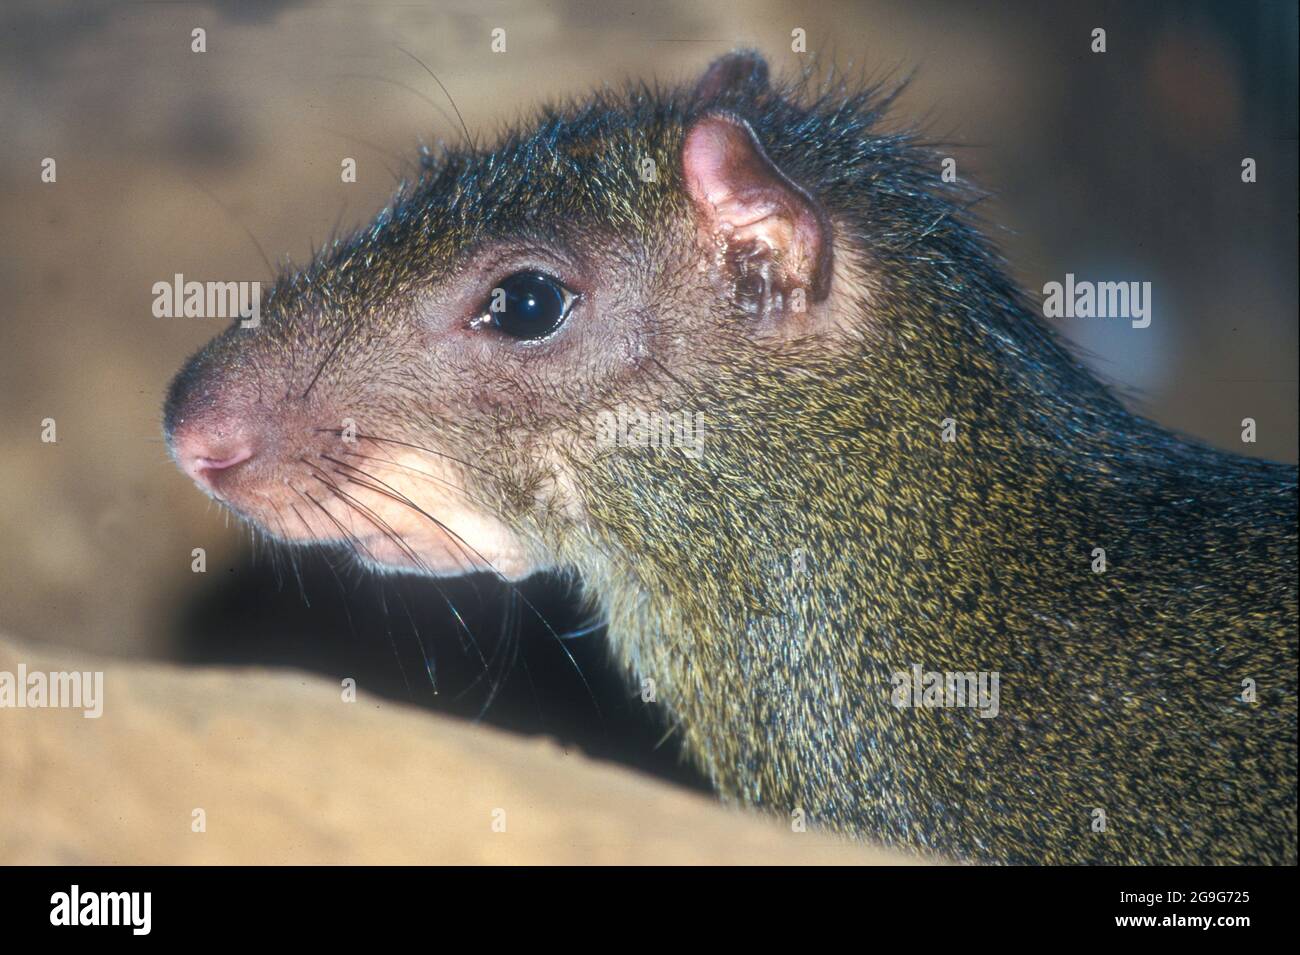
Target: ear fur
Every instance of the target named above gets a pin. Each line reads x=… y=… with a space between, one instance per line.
x=741 y=71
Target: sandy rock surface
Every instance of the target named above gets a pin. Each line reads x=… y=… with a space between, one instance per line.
x=286 y=772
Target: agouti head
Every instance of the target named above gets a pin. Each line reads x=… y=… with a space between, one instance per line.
x=471 y=381
x=438 y=389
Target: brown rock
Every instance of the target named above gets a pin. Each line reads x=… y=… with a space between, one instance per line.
x=286 y=772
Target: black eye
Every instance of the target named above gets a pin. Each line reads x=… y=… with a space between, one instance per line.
x=528 y=305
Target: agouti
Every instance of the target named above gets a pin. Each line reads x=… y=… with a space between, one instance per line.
x=889 y=557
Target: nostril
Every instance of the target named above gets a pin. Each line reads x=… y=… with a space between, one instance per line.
x=222 y=464
x=205 y=457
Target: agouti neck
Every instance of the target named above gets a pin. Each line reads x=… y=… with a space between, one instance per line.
x=830 y=537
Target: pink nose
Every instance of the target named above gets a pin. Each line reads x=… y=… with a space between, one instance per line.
x=207 y=456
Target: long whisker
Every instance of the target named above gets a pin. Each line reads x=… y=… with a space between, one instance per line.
x=509 y=638
x=403 y=499
x=330 y=354
x=407 y=444
x=383 y=526
x=387 y=530
x=397 y=539
x=430 y=666
x=389 y=462
x=468 y=566
x=328 y=563
x=348 y=535
x=392 y=642
x=266 y=259
x=410 y=89
x=469 y=141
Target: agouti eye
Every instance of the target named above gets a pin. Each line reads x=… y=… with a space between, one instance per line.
x=528 y=305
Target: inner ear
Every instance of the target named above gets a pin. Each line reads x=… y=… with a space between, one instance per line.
x=775 y=239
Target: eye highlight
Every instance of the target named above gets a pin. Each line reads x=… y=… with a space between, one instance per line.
x=527 y=305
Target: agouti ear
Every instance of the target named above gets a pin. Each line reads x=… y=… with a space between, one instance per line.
x=741 y=71
x=774 y=240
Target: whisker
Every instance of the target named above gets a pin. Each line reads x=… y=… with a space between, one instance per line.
x=389 y=462
x=387 y=491
x=348 y=535
x=328 y=563
x=392 y=642
x=410 y=89
x=385 y=528
x=430 y=666
x=469 y=141
x=403 y=499
x=330 y=354
x=407 y=444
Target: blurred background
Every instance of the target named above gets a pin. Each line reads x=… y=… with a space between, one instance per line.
x=1117 y=166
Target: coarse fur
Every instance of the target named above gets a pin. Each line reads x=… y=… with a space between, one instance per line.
x=828 y=537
